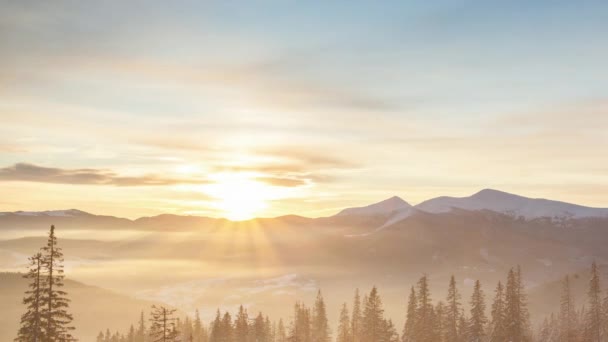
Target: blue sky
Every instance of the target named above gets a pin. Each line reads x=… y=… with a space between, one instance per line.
x=312 y=99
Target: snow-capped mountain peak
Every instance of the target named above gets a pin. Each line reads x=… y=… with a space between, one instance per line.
x=507 y=203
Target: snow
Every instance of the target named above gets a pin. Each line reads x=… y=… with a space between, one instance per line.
x=511 y=204
x=391 y=205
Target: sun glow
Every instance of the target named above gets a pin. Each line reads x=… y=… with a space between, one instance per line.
x=240 y=196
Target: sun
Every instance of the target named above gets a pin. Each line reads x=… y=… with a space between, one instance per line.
x=239 y=196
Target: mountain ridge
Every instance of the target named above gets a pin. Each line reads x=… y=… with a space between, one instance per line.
x=395 y=207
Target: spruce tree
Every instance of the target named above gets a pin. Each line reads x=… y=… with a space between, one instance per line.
x=439 y=322
x=515 y=308
x=344 y=333
x=281 y=333
x=453 y=310
x=32 y=323
x=131 y=335
x=163 y=325
x=373 y=318
x=140 y=335
x=478 y=320
x=389 y=332
x=260 y=333
x=320 y=326
x=241 y=325
x=355 y=326
x=567 y=314
x=498 y=325
x=424 y=321
x=594 y=311
x=197 y=327
x=410 y=319
x=55 y=303
x=301 y=324
x=227 y=331
x=215 y=335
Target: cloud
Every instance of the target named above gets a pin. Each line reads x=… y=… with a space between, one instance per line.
x=34 y=173
x=283 y=181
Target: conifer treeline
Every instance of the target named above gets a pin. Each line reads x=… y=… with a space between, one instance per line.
x=587 y=323
x=47 y=318
x=506 y=320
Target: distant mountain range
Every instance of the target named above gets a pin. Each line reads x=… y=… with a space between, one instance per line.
x=396 y=209
x=201 y=262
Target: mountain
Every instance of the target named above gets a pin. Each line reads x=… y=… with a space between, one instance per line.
x=511 y=204
x=386 y=207
x=195 y=262
x=48 y=213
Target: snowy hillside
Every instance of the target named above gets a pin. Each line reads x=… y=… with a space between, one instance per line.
x=511 y=204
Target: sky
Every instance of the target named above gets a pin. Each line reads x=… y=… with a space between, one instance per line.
x=266 y=108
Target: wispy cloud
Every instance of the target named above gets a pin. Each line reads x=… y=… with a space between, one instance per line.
x=34 y=173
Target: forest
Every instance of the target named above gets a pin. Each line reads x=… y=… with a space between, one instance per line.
x=499 y=316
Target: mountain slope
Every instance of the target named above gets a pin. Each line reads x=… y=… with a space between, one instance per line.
x=388 y=206
x=511 y=204
x=93 y=308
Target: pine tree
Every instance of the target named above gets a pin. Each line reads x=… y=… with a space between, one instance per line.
x=478 y=318
x=131 y=335
x=344 y=333
x=259 y=329
x=567 y=315
x=268 y=330
x=140 y=335
x=281 y=333
x=453 y=310
x=515 y=308
x=410 y=319
x=163 y=325
x=320 y=327
x=55 y=303
x=594 y=311
x=197 y=327
x=355 y=326
x=439 y=322
x=463 y=327
x=241 y=326
x=215 y=334
x=498 y=325
x=373 y=318
x=389 y=332
x=32 y=323
x=301 y=325
x=524 y=314
x=227 y=332
x=424 y=321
